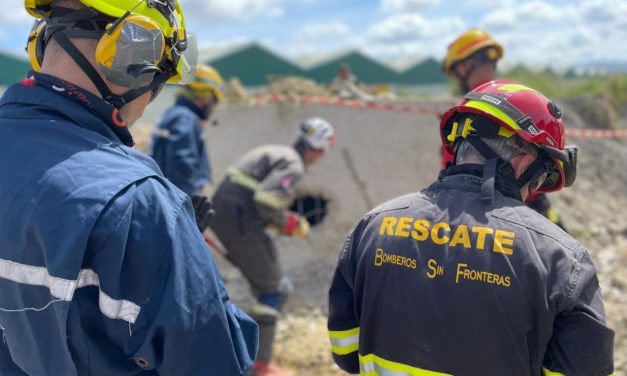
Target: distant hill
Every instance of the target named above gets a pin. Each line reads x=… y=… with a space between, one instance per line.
x=428 y=71
x=365 y=68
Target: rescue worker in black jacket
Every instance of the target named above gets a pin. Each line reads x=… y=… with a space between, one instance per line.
x=462 y=278
x=255 y=195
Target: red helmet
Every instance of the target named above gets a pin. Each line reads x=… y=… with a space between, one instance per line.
x=521 y=111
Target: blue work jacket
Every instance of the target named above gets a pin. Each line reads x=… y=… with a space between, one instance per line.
x=102 y=268
x=179 y=149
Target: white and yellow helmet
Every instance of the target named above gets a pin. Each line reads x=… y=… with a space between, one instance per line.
x=317 y=133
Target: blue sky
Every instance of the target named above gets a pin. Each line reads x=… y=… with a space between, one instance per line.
x=535 y=32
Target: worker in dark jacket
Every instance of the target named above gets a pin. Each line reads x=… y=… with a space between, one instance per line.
x=471 y=61
x=462 y=278
x=177 y=143
x=102 y=268
x=256 y=194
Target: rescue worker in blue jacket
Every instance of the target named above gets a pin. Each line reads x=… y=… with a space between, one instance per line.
x=177 y=143
x=102 y=268
x=462 y=278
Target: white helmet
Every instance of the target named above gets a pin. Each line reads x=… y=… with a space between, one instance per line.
x=317 y=133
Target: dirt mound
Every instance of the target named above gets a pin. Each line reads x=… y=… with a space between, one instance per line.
x=234 y=92
x=598 y=113
x=294 y=85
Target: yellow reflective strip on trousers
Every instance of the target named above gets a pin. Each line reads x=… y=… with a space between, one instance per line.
x=269 y=199
x=344 y=341
x=343 y=333
x=546 y=372
x=240 y=178
x=372 y=365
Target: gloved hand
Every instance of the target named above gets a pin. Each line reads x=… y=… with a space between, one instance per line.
x=303 y=228
x=203 y=210
x=296 y=225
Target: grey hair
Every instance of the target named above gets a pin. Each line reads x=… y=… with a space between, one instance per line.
x=505 y=148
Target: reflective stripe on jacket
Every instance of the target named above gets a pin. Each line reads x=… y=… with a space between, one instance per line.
x=102 y=268
x=439 y=283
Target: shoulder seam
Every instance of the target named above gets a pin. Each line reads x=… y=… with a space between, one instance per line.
x=579 y=249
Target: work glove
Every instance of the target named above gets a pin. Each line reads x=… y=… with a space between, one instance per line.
x=303 y=228
x=203 y=210
x=296 y=225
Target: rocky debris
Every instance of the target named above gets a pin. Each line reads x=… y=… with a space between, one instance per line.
x=302 y=345
x=294 y=85
x=234 y=92
x=610 y=263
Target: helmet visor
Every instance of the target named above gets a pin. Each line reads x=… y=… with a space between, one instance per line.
x=188 y=60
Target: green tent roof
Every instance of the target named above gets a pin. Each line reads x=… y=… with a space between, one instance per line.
x=12 y=69
x=428 y=71
x=366 y=69
x=252 y=64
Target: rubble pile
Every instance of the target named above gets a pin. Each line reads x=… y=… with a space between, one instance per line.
x=294 y=85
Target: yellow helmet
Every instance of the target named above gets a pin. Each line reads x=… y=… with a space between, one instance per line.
x=165 y=15
x=207 y=81
x=467 y=44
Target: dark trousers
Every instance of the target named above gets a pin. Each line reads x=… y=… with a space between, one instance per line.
x=252 y=251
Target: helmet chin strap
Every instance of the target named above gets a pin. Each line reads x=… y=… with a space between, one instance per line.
x=496 y=166
x=463 y=79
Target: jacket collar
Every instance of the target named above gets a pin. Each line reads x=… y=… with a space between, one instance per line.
x=46 y=97
x=189 y=104
x=470 y=175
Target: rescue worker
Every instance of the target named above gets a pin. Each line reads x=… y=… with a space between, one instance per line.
x=177 y=143
x=462 y=278
x=471 y=61
x=348 y=86
x=255 y=195
x=102 y=268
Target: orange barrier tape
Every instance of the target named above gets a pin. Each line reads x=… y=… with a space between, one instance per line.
x=597 y=133
x=356 y=103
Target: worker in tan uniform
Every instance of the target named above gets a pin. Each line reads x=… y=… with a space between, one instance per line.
x=254 y=196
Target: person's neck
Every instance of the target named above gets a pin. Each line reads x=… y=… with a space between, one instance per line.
x=479 y=77
x=67 y=70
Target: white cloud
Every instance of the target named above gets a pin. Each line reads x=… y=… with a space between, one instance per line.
x=520 y=16
x=408 y=27
x=406 y=6
x=232 y=10
x=333 y=29
x=539 y=33
x=14 y=14
x=489 y=3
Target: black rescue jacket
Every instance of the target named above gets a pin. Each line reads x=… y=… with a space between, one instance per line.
x=438 y=282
